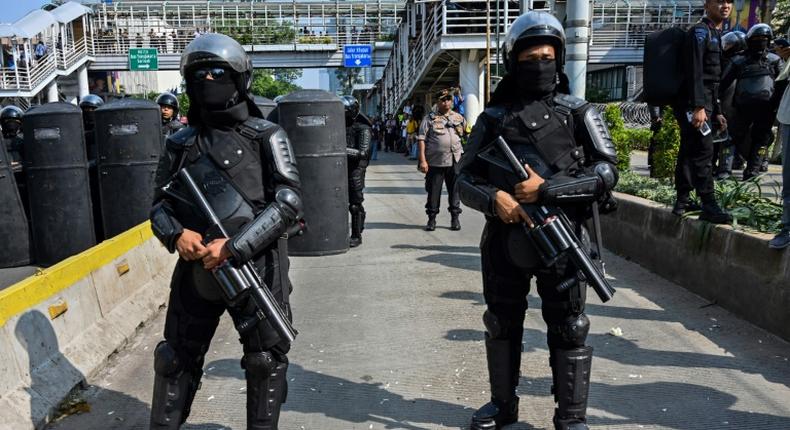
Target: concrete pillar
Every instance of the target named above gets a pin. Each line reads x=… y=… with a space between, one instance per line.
x=577 y=34
x=470 y=74
x=82 y=81
x=52 y=92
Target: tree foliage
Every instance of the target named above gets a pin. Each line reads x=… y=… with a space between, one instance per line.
x=780 y=20
x=347 y=77
x=275 y=82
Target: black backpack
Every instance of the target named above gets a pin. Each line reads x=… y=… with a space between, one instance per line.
x=664 y=66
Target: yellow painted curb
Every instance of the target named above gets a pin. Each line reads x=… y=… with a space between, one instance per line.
x=47 y=282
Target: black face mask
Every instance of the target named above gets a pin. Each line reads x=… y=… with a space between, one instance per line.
x=216 y=95
x=536 y=78
x=758 y=45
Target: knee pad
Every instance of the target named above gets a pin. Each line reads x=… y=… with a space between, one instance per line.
x=355 y=209
x=501 y=327
x=572 y=332
x=166 y=361
x=260 y=364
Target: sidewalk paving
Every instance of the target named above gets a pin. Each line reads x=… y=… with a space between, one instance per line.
x=391 y=337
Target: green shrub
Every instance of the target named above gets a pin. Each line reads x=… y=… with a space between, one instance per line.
x=667 y=145
x=639 y=138
x=614 y=120
x=744 y=200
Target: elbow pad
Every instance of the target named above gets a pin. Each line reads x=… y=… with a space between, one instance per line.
x=477 y=197
x=267 y=227
x=165 y=227
x=608 y=175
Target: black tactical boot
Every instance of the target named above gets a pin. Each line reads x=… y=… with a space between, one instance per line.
x=711 y=212
x=683 y=205
x=455 y=223
x=764 y=165
x=356 y=230
x=504 y=362
x=267 y=389
x=571 y=373
x=431 y=226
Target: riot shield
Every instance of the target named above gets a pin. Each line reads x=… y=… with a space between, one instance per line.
x=315 y=123
x=13 y=222
x=129 y=142
x=56 y=167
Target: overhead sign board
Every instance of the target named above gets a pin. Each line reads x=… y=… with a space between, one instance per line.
x=357 y=56
x=143 y=59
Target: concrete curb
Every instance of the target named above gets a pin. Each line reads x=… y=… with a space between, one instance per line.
x=52 y=346
x=731 y=268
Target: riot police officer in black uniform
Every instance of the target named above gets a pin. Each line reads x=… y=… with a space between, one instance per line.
x=358 y=150
x=571 y=160
x=168 y=104
x=733 y=44
x=89 y=104
x=226 y=138
x=11 y=124
x=754 y=98
x=700 y=109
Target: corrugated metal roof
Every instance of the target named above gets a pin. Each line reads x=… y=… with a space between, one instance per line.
x=70 y=11
x=32 y=24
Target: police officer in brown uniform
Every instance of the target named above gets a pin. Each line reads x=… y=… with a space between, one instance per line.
x=439 y=139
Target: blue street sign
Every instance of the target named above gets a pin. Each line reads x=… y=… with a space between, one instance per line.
x=357 y=56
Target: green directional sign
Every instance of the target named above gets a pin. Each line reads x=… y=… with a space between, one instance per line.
x=143 y=59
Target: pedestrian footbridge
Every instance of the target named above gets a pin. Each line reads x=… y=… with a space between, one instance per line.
x=422 y=43
x=452 y=43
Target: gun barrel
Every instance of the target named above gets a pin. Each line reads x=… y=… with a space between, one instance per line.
x=233 y=280
x=593 y=276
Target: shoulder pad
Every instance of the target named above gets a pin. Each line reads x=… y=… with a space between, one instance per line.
x=253 y=127
x=181 y=139
x=283 y=156
x=773 y=57
x=496 y=112
x=569 y=101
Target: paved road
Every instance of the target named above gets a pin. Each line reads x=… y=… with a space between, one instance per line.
x=391 y=338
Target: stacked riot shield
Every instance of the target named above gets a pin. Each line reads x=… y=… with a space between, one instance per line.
x=13 y=222
x=265 y=105
x=315 y=123
x=129 y=142
x=56 y=166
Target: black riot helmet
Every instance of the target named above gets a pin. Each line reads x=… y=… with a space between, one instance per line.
x=531 y=29
x=11 y=120
x=168 y=99
x=758 y=37
x=88 y=104
x=760 y=30
x=351 y=104
x=91 y=101
x=213 y=50
x=733 y=43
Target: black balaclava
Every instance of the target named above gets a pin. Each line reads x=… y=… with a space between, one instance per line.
x=536 y=79
x=11 y=128
x=758 y=46
x=216 y=95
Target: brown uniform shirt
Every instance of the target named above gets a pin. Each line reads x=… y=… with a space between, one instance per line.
x=442 y=136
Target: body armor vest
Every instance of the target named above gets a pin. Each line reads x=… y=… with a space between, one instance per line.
x=541 y=135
